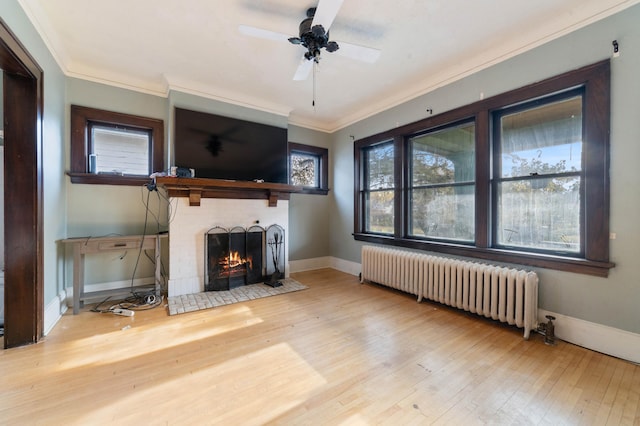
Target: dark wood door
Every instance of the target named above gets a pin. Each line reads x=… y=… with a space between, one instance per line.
x=24 y=302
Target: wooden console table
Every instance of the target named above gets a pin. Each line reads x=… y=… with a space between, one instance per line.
x=91 y=245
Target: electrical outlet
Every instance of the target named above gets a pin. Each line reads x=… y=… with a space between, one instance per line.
x=612 y=236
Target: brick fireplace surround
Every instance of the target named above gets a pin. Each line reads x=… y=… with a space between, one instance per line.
x=191 y=220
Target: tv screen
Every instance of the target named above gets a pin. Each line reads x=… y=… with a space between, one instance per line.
x=220 y=147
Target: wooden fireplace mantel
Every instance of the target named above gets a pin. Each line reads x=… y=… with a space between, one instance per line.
x=198 y=188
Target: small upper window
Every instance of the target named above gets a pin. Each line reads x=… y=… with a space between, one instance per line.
x=114 y=148
x=305 y=170
x=308 y=167
x=119 y=150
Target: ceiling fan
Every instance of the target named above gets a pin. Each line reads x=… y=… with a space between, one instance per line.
x=313 y=35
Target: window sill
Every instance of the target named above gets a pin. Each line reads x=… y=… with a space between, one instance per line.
x=316 y=191
x=106 y=179
x=558 y=263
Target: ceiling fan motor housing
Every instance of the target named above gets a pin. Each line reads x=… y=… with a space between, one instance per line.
x=313 y=37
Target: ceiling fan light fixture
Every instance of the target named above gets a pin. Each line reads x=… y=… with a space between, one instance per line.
x=332 y=46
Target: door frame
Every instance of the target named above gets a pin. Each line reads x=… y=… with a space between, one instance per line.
x=23 y=192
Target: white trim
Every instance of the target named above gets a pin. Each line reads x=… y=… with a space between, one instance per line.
x=54 y=311
x=112 y=285
x=597 y=337
x=347 y=266
x=341 y=265
x=309 y=264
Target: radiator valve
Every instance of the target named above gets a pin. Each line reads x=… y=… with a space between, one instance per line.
x=549 y=331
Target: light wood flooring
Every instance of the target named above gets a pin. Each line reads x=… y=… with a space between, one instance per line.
x=336 y=353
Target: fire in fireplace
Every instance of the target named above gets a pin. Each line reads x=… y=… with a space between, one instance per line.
x=239 y=256
x=234 y=264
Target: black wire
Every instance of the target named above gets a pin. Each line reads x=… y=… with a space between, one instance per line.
x=149 y=299
x=138 y=301
x=144 y=233
x=102 y=311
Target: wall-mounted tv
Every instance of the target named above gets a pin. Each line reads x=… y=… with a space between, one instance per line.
x=219 y=147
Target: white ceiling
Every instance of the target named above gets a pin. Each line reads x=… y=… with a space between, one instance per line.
x=194 y=46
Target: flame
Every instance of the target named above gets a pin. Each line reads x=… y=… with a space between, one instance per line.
x=235 y=260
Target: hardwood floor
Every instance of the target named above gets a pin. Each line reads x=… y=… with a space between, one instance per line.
x=336 y=353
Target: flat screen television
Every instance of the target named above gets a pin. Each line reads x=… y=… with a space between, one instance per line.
x=219 y=147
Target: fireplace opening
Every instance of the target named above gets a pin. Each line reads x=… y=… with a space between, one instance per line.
x=239 y=256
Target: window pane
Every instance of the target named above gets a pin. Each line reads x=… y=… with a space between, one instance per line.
x=446 y=156
x=379 y=211
x=304 y=170
x=540 y=213
x=121 y=151
x=444 y=212
x=379 y=162
x=543 y=140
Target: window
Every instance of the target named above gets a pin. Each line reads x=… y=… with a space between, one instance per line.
x=442 y=184
x=378 y=192
x=113 y=148
x=308 y=167
x=538 y=155
x=521 y=178
x=119 y=150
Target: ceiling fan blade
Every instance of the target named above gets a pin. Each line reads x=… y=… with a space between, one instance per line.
x=360 y=53
x=303 y=69
x=326 y=12
x=261 y=33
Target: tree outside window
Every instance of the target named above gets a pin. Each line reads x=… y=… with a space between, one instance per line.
x=442 y=183
x=309 y=168
x=538 y=184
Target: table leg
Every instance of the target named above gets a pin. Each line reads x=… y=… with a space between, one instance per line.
x=78 y=277
x=158 y=267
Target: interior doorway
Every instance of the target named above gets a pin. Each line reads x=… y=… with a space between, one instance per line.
x=23 y=241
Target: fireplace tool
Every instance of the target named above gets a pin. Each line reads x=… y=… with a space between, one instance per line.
x=275 y=244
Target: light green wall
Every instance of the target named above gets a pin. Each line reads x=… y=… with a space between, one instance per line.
x=611 y=301
x=100 y=210
x=53 y=152
x=309 y=215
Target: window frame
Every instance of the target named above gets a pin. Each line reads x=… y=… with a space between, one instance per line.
x=497 y=167
x=81 y=120
x=365 y=191
x=411 y=187
x=595 y=81
x=322 y=155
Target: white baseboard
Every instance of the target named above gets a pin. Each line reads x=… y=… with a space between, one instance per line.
x=597 y=337
x=309 y=264
x=347 y=266
x=342 y=265
x=54 y=311
x=111 y=285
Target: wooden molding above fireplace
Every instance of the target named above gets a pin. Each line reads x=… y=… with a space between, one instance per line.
x=197 y=188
